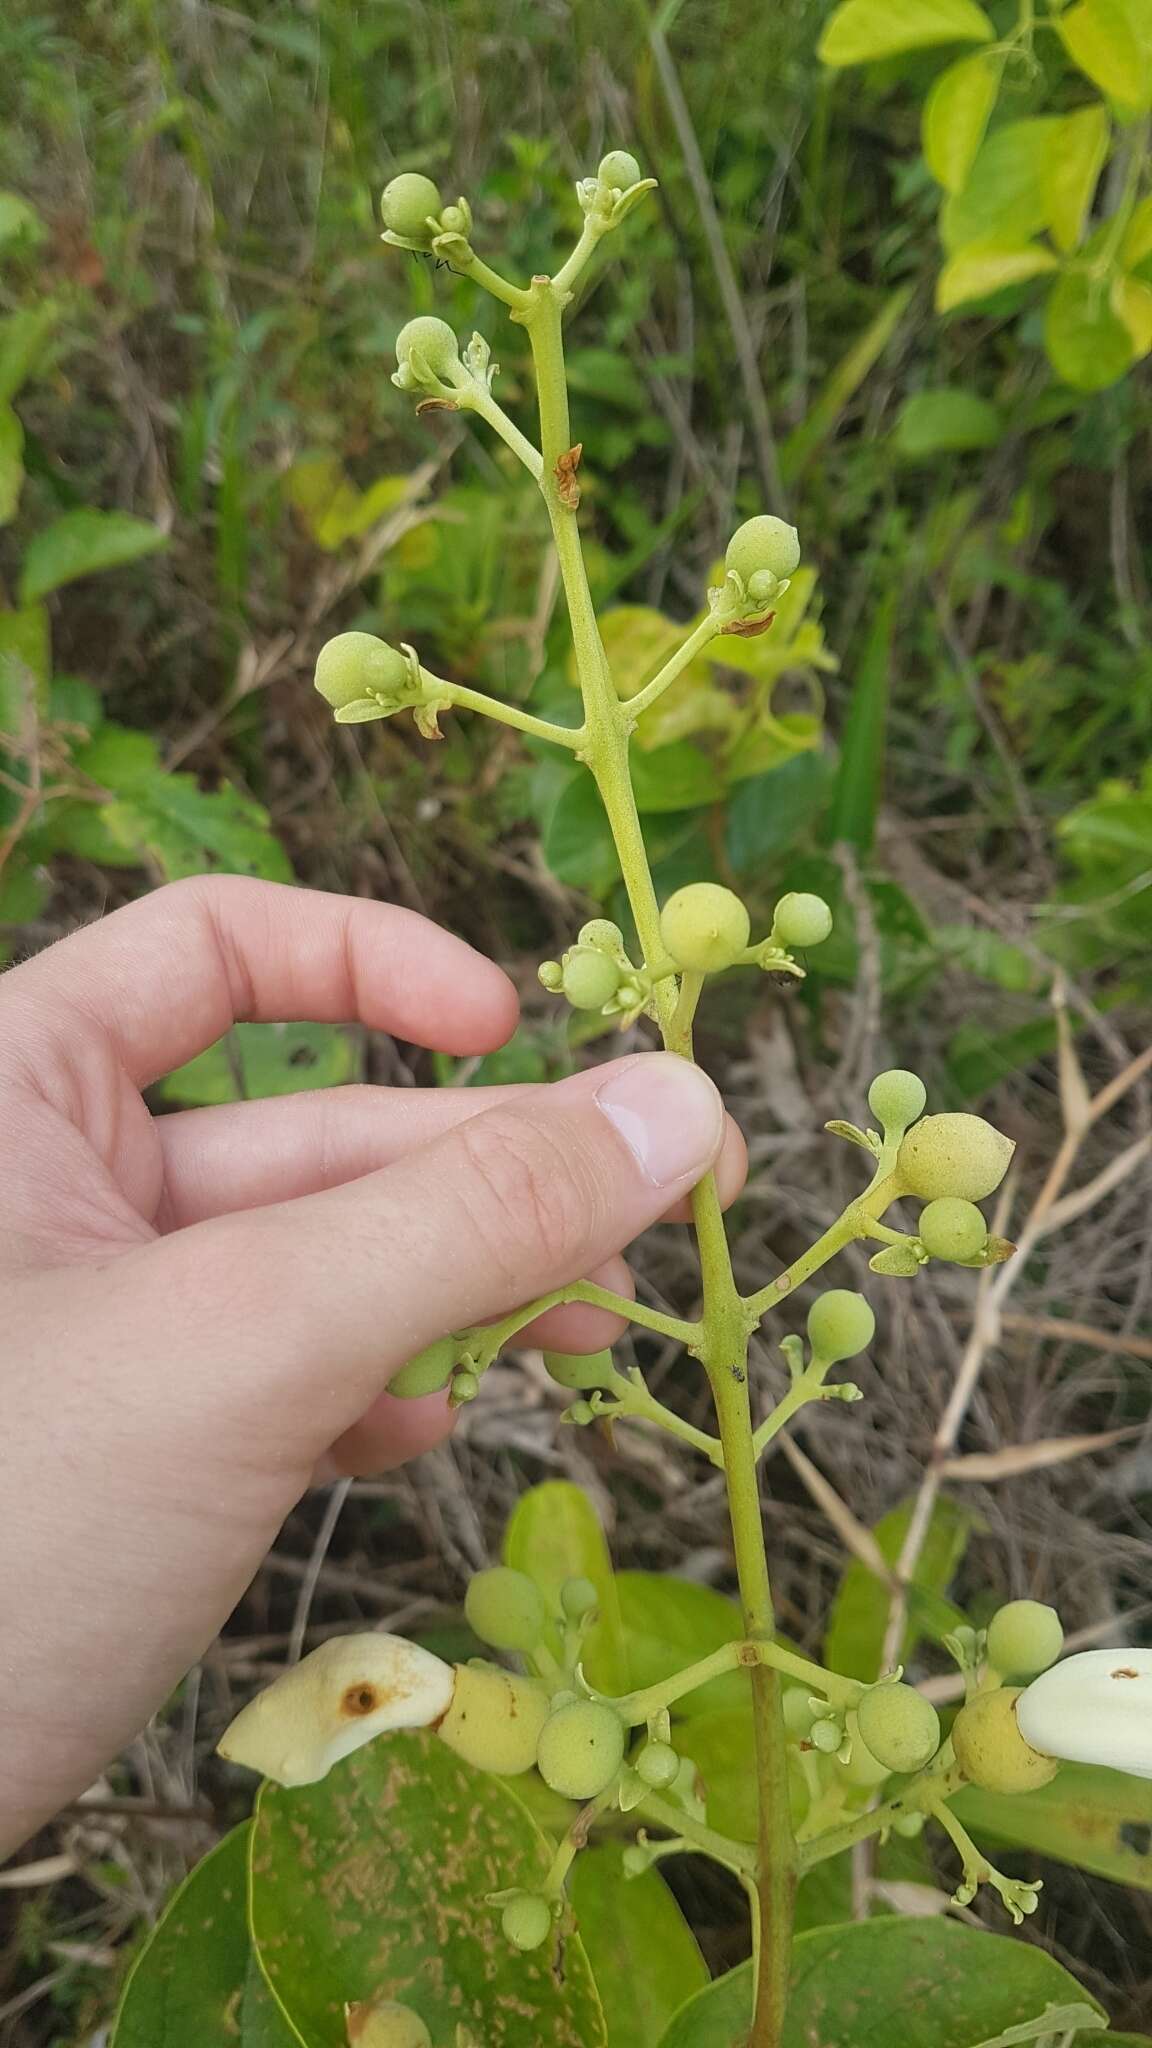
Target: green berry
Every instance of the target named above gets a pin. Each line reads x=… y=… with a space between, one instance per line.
x=550 y=975
x=801 y=920
x=505 y=1608
x=1024 y=1638
x=387 y=2025
x=527 y=1920
x=952 y=1229
x=955 y=1154
x=763 y=543
x=763 y=587
x=464 y=1387
x=601 y=934
x=897 y=1098
x=704 y=927
x=430 y=1370
x=578 y=1598
x=862 y=1768
x=433 y=341
x=581 y=1372
x=619 y=170
x=406 y=204
x=899 y=1726
x=356 y=665
x=658 y=1765
x=581 y=1749
x=826 y=1736
x=590 y=978
x=991 y=1750
x=840 y=1324
x=455 y=221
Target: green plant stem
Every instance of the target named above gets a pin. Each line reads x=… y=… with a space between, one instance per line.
x=736 y=1856
x=697 y=641
x=568 y=736
x=632 y=1311
x=858 y=1220
x=722 y=1341
x=920 y=1797
x=480 y=401
x=809 y=1387
x=469 y=264
x=591 y=235
x=636 y=1402
x=648 y=1700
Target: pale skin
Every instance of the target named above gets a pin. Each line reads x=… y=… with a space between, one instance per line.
x=202 y=1310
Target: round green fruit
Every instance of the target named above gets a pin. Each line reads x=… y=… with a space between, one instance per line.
x=952 y=1229
x=763 y=543
x=583 y=1371
x=581 y=1748
x=601 y=934
x=704 y=927
x=990 y=1749
x=897 y=1098
x=387 y=2025
x=406 y=204
x=801 y=920
x=495 y=1719
x=433 y=341
x=900 y=1728
x=505 y=1608
x=430 y=1370
x=840 y=1324
x=356 y=665
x=862 y=1768
x=658 y=1765
x=619 y=170
x=591 y=979
x=527 y=1920
x=1024 y=1638
x=955 y=1154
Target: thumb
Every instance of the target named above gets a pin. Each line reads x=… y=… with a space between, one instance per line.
x=341 y=1288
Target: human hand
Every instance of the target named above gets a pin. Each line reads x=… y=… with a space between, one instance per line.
x=202 y=1310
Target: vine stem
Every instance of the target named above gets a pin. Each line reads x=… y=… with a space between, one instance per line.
x=722 y=1340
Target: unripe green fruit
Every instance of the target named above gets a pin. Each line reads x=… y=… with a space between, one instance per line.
x=601 y=934
x=1024 y=1638
x=840 y=1324
x=505 y=1608
x=862 y=1768
x=432 y=340
x=954 y=1154
x=581 y=1748
x=763 y=543
x=406 y=203
x=430 y=1370
x=590 y=979
x=991 y=1750
x=454 y=221
x=387 y=2025
x=798 y=1715
x=763 y=586
x=495 y=1719
x=464 y=1387
x=801 y=920
x=527 y=1920
x=658 y=1765
x=952 y=1229
x=826 y=1735
x=578 y=1597
x=619 y=170
x=356 y=665
x=582 y=1372
x=704 y=927
x=899 y=1726
x=897 y=1098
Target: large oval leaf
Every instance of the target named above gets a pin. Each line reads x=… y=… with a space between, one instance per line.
x=554 y=1534
x=643 y=1953
x=669 y=1623
x=859 y=31
x=921 y=1983
x=373 y=1883
x=1096 y=1819
x=859 y=1619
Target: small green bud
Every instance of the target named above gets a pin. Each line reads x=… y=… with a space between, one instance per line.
x=505 y=1608
x=433 y=341
x=635 y=1860
x=601 y=934
x=991 y=1750
x=898 y=1725
x=764 y=543
x=550 y=975
x=763 y=587
x=578 y=1598
x=583 y=1371
x=581 y=1413
x=840 y=1324
x=407 y=203
x=619 y=170
x=952 y=1229
x=658 y=1765
x=581 y=1748
x=798 y=1711
x=826 y=1736
x=464 y=1387
x=896 y=1099
x=455 y=220
x=430 y=1370
x=527 y=1920
x=358 y=665
x=386 y=2025
x=801 y=920
x=590 y=978
x=704 y=927
x=955 y=1154
x=909 y=1825
x=1024 y=1638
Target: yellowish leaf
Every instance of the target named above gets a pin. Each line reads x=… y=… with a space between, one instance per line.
x=859 y=31
x=955 y=116
x=987 y=266
x=1132 y=302
x=1137 y=243
x=1110 y=41
x=1075 y=161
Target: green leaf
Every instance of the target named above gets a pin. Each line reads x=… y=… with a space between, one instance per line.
x=861 y=30
x=643 y=1954
x=1111 y=43
x=554 y=1534
x=25 y=663
x=194 y=1981
x=257 y=1060
x=1088 y=344
x=839 y=390
x=987 y=266
x=956 y=114
x=372 y=1884
x=671 y=1622
x=859 y=782
x=722 y=1746
x=978 y=1058
x=1074 y=166
x=18 y=220
x=82 y=542
x=1098 y=1820
x=859 y=1615
x=1003 y=200
x=577 y=840
x=1137 y=243
x=922 y=1983
x=675 y=778
x=22 y=338
x=154 y=815
x=767 y=814
x=990 y=958
x=11 y=463
x=935 y=422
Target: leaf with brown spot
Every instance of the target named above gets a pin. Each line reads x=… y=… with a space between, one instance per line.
x=1096 y=1819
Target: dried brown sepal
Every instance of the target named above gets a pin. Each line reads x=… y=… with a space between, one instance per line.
x=567 y=488
x=437 y=405
x=750 y=629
